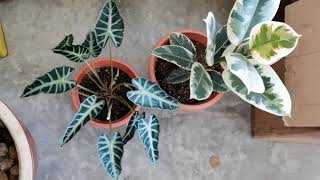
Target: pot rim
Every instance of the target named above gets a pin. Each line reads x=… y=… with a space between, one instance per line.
x=98 y=63
x=22 y=139
x=214 y=98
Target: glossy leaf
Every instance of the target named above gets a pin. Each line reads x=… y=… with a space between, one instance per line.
x=275 y=99
x=109 y=25
x=217 y=81
x=89 y=109
x=240 y=66
x=132 y=126
x=54 y=82
x=222 y=42
x=178 y=75
x=177 y=55
x=245 y=14
x=211 y=38
x=92 y=45
x=201 y=86
x=183 y=41
x=75 y=53
x=271 y=41
x=110 y=152
x=149 y=136
x=150 y=95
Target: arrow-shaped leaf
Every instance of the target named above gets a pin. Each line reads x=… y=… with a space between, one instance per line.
x=109 y=25
x=245 y=14
x=150 y=95
x=67 y=41
x=75 y=53
x=211 y=38
x=110 y=152
x=177 y=55
x=89 y=109
x=132 y=126
x=200 y=83
x=183 y=41
x=92 y=45
x=240 y=66
x=149 y=136
x=54 y=82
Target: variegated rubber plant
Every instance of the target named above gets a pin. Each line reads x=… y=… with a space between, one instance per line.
x=143 y=92
x=246 y=48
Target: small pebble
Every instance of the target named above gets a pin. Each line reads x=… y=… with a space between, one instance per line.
x=3 y=176
x=215 y=161
x=14 y=171
x=13 y=153
x=3 y=149
x=6 y=164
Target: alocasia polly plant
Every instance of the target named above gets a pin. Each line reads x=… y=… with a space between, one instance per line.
x=143 y=92
x=245 y=47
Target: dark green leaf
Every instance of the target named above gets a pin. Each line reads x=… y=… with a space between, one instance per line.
x=132 y=126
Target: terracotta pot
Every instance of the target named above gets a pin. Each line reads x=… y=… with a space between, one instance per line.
x=98 y=63
x=25 y=146
x=195 y=36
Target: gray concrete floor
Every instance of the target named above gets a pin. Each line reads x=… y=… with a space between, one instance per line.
x=188 y=140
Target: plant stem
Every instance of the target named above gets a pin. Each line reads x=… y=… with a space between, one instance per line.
x=84 y=94
x=94 y=72
x=109 y=116
x=86 y=89
x=111 y=66
x=123 y=101
x=93 y=80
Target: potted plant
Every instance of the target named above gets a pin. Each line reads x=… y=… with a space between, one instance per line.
x=180 y=59
x=245 y=48
x=106 y=92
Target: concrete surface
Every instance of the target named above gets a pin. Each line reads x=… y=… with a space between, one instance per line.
x=188 y=140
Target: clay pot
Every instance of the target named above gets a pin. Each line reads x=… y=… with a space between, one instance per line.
x=194 y=36
x=99 y=63
x=25 y=146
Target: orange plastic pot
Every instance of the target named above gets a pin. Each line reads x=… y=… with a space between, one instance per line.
x=194 y=36
x=99 y=63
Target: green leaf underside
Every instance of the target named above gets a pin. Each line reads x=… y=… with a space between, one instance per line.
x=273 y=100
x=245 y=14
x=240 y=66
x=109 y=25
x=178 y=75
x=271 y=41
x=89 y=109
x=92 y=45
x=132 y=126
x=54 y=82
x=217 y=82
x=211 y=38
x=183 y=41
x=177 y=55
x=222 y=42
x=150 y=95
x=149 y=136
x=110 y=152
x=200 y=83
x=75 y=53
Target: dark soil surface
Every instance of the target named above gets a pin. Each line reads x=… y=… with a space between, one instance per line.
x=118 y=109
x=180 y=91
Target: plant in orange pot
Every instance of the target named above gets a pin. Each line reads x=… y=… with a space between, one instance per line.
x=106 y=92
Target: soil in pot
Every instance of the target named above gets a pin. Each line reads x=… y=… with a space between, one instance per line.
x=118 y=109
x=181 y=91
x=9 y=165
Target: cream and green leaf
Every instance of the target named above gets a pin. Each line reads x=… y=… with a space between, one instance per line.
x=54 y=82
x=201 y=86
x=211 y=38
x=178 y=75
x=183 y=41
x=270 y=41
x=110 y=151
x=240 y=66
x=149 y=136
x=150 y=95
x=275 y=99
x=222 y=42
x=109 y=25
x=245 y=14
x=89 y=109
x=217 y=82
x=175 y=54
